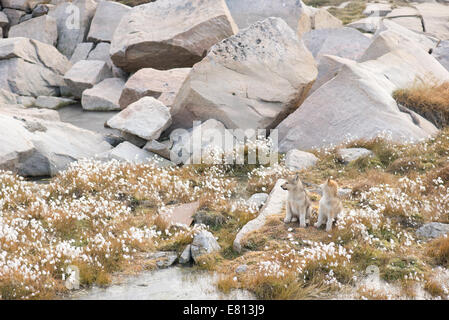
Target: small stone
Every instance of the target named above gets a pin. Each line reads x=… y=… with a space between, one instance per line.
x=186 y=255
x=241 y=269
x=433 y=230
x=299 y=160
x=351 y=154
x=204 y=243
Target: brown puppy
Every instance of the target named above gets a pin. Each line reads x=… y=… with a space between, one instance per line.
x=330 y=204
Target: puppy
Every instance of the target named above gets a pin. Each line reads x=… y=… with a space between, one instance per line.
x=330 y=205
x=298 y=202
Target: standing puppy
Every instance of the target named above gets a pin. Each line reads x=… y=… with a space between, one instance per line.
x=298 y=202
x=330 y=204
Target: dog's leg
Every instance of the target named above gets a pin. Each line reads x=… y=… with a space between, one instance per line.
x=320 y=217
x=302 y=218
x=288 y=215
x=329 y=222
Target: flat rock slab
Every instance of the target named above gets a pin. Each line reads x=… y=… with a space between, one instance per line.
x=53 y=103
x=168 y=34
x=146 y=118
x=160 y=84
x=43 y=29
x=103 y=96
x=433 y=230
x=182 y=214
x=274 y=205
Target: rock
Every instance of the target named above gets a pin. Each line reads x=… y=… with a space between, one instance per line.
x=160 y=84
x=369 y=25
x=186 y=255
x=81 y=52
x=24 y=5
x=73 y=20
x=25 y=101
x=257 y=200
x=146 y=118
x=377 y=9
x=106 y=20
x=13 y=15
x=251 y=80
x=7 y=97
x=101 y=52
x=41 y=9
x=42 y=28
x=433 y=230
x=182 y=214
x=103 y=96
x=391 y=62
x=21 y=112
x=204 y=242
x=164 y=259
x=199 y=144
x=441 y=53
x=322 y=19
x=351 y=154
x=343 y=42
x=128 y=152
x=436 y=19
x=4 y=21
x=85 y=74
x=247 y=12
x=30 y=146
x=408 y=17
x=241 y=268
x=179 y=36
x=31 y=68
x=159 y=148
x=274 y=205
x=25 y=18
x=297 y=160
x=53 y=103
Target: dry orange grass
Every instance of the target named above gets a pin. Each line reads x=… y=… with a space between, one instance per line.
x=429 y=100
x=439 y=250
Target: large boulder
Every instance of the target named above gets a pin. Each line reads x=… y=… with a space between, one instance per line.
x=31 y=146
x=178 y=36
x=436 y=19
x=251 y=80
x=247 y=12
x=73 y=20
x=358 y=102
x=85 y=74
x=104 y=96
x=146 y=118
x=105 y=21
x=160 y=84
x=343 y=42
x=31 y=68
x=42 y=28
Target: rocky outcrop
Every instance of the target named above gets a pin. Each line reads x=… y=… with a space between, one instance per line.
x=179 y=35
x=105 y=21
x=160 y=84
x=251 y=80
x=31 y=68
x=146 y=118
x=358 y=102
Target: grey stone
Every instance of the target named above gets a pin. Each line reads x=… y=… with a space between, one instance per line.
x=42 y=28
x=13 y=15
x=204 y=242
x=258 y=199
x=81 y=52
x=241 y=269
x=179 y=35
x=4 y=21
x=103 y=96
x=53 y=103
x=164 y=259
x=433 y=230
x=85 y=74
x=186 y=255
x=352 y=154
x=159 y=148
x=146 y=118
x=299 y=160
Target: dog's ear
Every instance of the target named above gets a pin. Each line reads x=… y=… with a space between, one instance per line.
x=296 y=177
